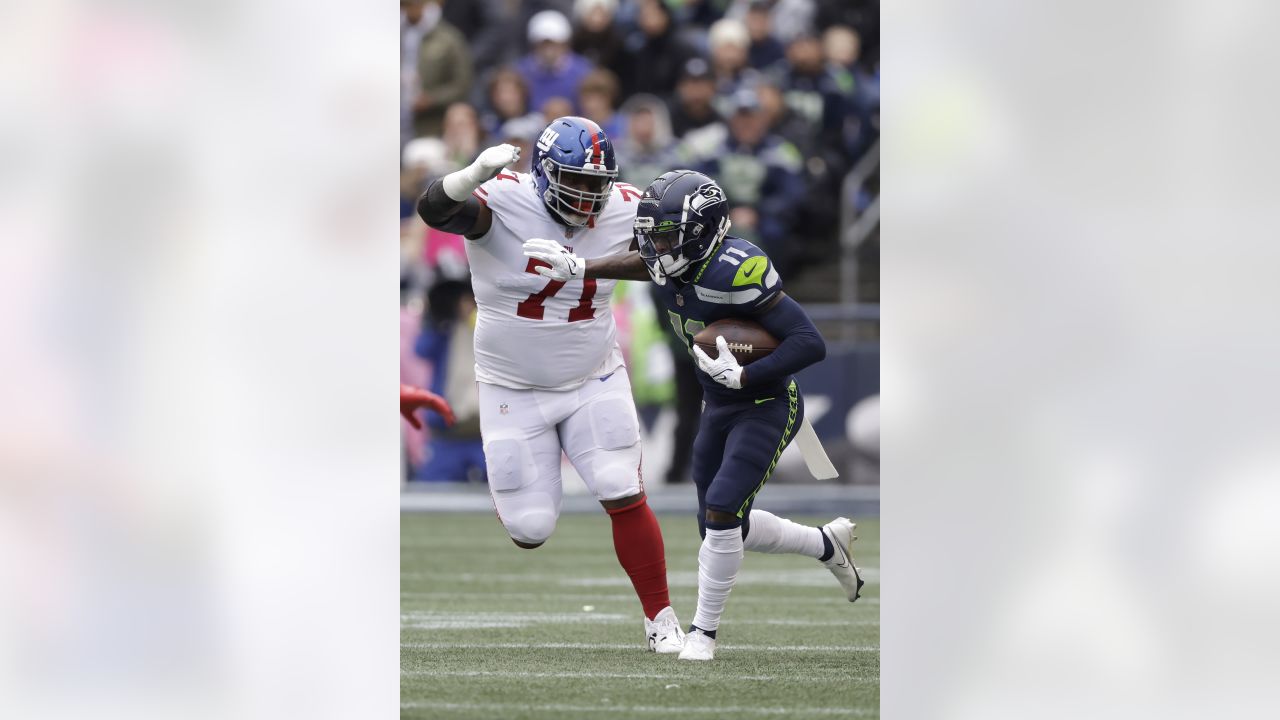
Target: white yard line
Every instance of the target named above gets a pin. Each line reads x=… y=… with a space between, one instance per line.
x=808 y=577
x=470 y=621
x=672 y=710
x=515 y=674
x=630 y=646
x=590 y=598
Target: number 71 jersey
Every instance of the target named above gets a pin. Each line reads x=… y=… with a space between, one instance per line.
x=531 y=331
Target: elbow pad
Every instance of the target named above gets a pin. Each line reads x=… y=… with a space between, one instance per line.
x=442 y=212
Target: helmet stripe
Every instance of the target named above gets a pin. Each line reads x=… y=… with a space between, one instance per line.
x=595 y=145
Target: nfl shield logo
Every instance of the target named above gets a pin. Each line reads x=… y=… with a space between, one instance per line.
x=503 y=408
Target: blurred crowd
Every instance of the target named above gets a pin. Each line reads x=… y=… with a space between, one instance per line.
x=776 y=99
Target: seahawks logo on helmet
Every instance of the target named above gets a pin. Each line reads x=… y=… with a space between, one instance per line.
x=707 y=195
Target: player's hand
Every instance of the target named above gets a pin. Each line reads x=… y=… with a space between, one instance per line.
x=724 y=369
x=493 y=160
x=412 y=398
x=565 y=265
x=458 y=185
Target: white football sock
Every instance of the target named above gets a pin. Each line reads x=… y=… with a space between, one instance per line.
x=772 y=534
x=718 y=561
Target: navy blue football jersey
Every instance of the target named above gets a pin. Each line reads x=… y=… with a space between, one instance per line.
x=737 y=280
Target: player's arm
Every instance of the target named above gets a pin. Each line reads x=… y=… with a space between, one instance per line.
x=449 y=205
x=623 y=266
x=564 y=266
x=799 y=342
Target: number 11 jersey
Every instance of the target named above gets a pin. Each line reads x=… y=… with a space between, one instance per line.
x=531 y=331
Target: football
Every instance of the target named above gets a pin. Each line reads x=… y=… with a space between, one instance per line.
x=746 y=338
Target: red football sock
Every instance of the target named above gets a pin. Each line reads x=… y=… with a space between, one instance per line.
x=637 y=539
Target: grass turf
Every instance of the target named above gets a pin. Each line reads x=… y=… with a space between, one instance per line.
x=789 y=643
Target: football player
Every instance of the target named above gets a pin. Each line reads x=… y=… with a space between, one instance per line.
x=751 y=413
x=550 y=372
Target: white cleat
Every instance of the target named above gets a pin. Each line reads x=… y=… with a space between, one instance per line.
x=840 y=533
x=698 y=647
x=664 y=633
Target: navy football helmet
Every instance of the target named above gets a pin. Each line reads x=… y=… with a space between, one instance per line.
x=574 y=169
x=681 y=218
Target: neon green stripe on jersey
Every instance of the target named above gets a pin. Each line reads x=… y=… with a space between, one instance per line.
x=710 y=256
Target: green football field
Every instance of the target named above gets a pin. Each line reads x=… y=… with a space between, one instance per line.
x=491 y=631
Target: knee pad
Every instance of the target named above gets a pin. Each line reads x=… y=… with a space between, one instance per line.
x=531 y=525
x=615 y=473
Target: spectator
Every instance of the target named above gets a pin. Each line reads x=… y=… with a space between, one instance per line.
x=653 y=54
x=556 y=107
x=598 y=98
x=728 y=40
x=761 y=174
x=841 y=48
x=551 y=69
x=644 y=151
x=785 y=122
x=693 y=108
x=811 y=91
x=413 y=24
x=824 y=169
x=863 y=16
x=423 y=160
x=765 y=50
x=792 y=18
x=462 y=134
x=596 y=37
x=507 y=99
x=435 y=65
x=521 y=133
x=454 y=453
x=486 y=24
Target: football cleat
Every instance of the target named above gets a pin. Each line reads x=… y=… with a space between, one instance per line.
x=664 y=633
x=698 y=647
x=840 y=533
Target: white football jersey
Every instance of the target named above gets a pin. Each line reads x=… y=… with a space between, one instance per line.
x=533 y=332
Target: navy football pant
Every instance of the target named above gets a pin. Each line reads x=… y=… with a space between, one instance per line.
x=737 y=447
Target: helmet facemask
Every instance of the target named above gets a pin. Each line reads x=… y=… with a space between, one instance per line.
x=668 y=248
x=577 y=195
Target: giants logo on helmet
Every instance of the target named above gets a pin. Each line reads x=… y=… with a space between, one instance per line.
x=548 y=138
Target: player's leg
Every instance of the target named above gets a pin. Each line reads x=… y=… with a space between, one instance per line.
x=751 y=442
x=708 y=451
x=720 y=555
x=602 y=439
x=522 y=456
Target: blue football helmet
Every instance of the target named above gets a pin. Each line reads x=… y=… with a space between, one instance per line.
x=681 y=218
x=574 y=169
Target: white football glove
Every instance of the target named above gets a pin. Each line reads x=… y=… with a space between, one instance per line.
x=458 y=185
x=565 y=265
x=724 y=369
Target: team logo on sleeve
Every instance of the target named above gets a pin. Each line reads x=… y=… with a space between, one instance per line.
x=706 y=196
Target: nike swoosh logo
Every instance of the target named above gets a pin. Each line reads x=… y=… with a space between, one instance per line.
x=606 y=377
x=764 y=400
